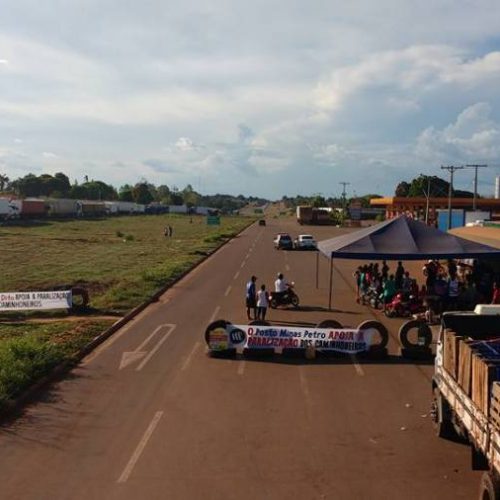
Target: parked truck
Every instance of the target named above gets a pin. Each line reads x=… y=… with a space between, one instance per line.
x=8 y=210
x=61 y=207
x=312 y=215
x=466 y=389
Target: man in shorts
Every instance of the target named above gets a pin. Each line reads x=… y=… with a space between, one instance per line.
x=251 y=297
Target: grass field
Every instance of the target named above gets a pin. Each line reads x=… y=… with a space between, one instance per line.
x=121 y=261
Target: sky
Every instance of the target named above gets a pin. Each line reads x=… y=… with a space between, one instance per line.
x=264 y=98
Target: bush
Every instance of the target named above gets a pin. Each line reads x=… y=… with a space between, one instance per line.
x=119 y=234
x=23 y=361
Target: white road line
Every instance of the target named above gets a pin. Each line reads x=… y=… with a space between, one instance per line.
x=155 y=348
x=147 y=339
x=228 y=289
x=212 y=318
x=236 y=275
x=357 y=366
x=243 y=264
x=140 y=448
x=287 y=267
x=190 y=355
x=241 y=368
x=303 y=384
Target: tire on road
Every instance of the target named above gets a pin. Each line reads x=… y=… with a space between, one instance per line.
x=489 y=488
x=424 y=332
x=382 y=331
x=443 y=427
x=329 y=323
x=220 y=323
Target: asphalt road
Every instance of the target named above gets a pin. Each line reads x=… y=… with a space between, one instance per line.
x=149 y=415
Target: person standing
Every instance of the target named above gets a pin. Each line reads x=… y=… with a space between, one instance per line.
x=398 y=275
x=389 y=290
x=251 y=297
x=262 y=303
x=385 y=270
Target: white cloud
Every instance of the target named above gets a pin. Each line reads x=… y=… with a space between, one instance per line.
x=49 y=156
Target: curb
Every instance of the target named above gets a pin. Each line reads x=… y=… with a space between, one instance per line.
x=14 y=406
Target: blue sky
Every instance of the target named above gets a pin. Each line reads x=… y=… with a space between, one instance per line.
x=266 y=98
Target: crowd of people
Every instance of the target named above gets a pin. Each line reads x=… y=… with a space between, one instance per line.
x=455 y=285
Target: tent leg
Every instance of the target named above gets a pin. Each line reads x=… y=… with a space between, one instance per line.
x=317 y=270
x=331 y=283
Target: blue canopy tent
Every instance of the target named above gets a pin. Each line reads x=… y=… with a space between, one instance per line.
x=401 y=238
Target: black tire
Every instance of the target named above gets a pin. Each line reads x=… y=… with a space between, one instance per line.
x=273 y=303
x=220 y=323
x=424 y=332
x=329 y=323
x=389 y=313
x=382 y=330
x=489 y=488
x=295 y=301
x=259 y=322
x=443 y=427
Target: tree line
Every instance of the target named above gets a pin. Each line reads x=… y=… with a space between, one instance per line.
x=59 y=186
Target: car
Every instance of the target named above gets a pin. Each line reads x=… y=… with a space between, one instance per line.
x=262 y=222
x=305 y=242
x=283 y=241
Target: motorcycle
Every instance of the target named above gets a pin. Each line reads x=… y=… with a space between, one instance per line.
x=404 y=306
x=285 y=298
x=371 y=297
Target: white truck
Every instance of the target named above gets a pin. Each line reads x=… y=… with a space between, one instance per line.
x=466 y=389
x=8 y=210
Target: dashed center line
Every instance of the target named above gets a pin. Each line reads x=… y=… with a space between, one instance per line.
x=357 y=366
x=190 y=355
x=228 y=290
x=140 y=448
x=241 y=368
x=243 y=264
x=236 y=275
x=212 y=318
x=287 y=267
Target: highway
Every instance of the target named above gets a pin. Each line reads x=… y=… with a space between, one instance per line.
x=149 y=415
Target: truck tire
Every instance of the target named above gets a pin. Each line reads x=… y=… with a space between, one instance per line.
x=441 y=416
x=489 y=488
x=221 y=323
x=424 y=332
x=381 y=329
x=329 y=323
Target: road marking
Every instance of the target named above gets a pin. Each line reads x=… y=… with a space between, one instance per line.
x=227 y=291
x=357 y=366
x=212 y=318
x=155 y=348
x=140 y=448
x=303 y=384
x=241 y=368
x=287 y=267
x=190 y=355
x=130 y=356
x=236 y=275
x=243 y=264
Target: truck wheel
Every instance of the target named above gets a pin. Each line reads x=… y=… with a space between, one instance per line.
x=441 y=416
x=424 y=333
x=489 y=488
x=382 y=331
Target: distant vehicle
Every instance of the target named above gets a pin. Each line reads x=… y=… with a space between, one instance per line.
x=283 y=241
x=312 y=215
x=262 y=222
x=305 y=242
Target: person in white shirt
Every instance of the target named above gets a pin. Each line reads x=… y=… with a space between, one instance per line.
x=262 y=303
x=280 y=284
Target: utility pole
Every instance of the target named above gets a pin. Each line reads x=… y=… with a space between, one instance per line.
x=475 y=167
x=450 y=169
x=344 y=184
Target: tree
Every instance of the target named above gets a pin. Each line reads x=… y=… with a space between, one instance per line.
x=4 y=181
x=318 y=201
x=402 y=189
x=190 y=196
x=142 y=193
x=163 y=193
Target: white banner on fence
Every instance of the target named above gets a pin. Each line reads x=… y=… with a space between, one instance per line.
x=349 y=341
x=25 y=301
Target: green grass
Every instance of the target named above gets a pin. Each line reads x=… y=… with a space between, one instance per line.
x=29 y=351
x=121 y=261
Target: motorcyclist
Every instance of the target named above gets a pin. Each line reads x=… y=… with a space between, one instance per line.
x=280 y=286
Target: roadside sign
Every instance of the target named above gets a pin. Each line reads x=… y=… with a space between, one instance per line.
x=26 y=301
x=213 y=220
x=355 y=210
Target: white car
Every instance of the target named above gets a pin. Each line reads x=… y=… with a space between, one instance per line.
x=305 y=242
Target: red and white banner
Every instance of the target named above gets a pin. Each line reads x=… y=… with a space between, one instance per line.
x=349 y=341
x=25 y=301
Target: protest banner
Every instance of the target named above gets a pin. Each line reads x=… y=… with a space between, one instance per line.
x=25 y=301
x=342 y=340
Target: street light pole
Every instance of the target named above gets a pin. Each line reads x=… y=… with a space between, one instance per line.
x=475 y=167
x=450 y=169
